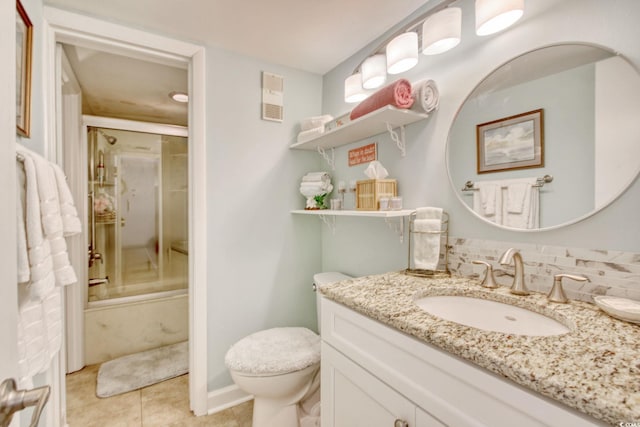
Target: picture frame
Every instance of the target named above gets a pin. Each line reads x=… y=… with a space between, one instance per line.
x=24 y=39
x=511 y=143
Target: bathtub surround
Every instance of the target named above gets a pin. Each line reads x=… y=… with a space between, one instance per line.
x=143 y=369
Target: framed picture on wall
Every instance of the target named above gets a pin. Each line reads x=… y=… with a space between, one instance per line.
x=514 y=142
x=24 y=34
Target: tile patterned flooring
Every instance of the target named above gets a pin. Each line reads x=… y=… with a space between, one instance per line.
x=161 y=405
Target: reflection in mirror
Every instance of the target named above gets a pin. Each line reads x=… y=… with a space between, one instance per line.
x=590 y=99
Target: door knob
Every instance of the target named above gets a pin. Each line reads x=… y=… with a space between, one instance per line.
x=12 y=401
x=400 y=423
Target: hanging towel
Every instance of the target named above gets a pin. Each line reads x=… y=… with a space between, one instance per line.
x=397 y=94
x=427 y=227
x=529 y=217
x=426 y=97
x=487 y=201
x=40 y=262
x=71 y=224
x=24 y=274
x=516 y=194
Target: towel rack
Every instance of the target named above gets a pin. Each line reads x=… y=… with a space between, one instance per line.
x=540 y=182
x=444 y=231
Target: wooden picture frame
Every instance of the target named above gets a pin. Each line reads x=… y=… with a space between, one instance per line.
x=24 y=38
x=510 y=143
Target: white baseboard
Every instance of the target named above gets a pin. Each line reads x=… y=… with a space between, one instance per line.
x=224 y=398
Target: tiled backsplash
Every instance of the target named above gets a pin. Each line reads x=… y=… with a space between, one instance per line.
x=609 y=272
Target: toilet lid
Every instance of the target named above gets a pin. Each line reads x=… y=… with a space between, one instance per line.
x=274 y=351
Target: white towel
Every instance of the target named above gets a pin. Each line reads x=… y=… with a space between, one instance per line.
x=24 y=273
x=40 y=262
x=426 y=238
x=529 y=218
x=70 y=222
x=517 y=192
x=426 y=96
x=426 y=248
x=315 y=122
x=487 y=201
x=316 y=176
x=307 y=135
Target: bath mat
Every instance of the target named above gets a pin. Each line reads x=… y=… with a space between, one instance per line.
x=139 y=370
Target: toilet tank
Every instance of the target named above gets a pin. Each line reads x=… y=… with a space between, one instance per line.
x=322 y=279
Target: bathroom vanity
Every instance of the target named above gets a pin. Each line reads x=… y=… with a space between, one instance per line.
x=387 y=362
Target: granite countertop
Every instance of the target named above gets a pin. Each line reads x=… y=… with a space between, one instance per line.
x=594 y=368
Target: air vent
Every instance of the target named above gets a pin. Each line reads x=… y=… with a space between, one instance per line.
x=272 y=97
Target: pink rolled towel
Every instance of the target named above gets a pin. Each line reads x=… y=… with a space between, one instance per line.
x=397 y=94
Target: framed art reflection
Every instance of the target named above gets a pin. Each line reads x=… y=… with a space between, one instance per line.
x=514 y=142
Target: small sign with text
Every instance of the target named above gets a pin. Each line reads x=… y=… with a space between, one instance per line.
x=364 y=154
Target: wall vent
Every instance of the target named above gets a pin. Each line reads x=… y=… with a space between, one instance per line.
x=272 y=97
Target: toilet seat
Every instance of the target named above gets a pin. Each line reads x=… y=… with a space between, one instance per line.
x=275 y=351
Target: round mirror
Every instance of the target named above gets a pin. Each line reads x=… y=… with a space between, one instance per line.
x=548 y=138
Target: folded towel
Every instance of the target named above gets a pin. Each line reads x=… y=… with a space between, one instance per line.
x=426 y=96
x=316 y=176
x=307 y=135
x=397 y=94
x=426 y=249
x=529 y=217
x=487 y=201
x=429 y=213
x=70 y=222
x=315 y=122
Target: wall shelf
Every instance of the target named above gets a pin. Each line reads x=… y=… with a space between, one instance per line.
x=375 y=214
x=374 y=123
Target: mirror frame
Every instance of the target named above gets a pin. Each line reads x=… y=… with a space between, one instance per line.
x=484 y=79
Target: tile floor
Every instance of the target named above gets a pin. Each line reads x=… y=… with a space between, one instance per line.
x=161 y=405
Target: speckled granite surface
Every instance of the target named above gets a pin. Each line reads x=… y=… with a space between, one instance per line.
x=595 y=368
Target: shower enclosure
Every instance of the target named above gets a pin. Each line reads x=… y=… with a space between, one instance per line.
x=137 y=196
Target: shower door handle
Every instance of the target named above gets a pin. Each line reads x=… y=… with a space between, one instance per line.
x=13 y=400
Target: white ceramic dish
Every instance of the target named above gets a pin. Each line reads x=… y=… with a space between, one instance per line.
x=620 y=308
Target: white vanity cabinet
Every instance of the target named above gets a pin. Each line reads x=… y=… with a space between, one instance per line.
x=377 y=376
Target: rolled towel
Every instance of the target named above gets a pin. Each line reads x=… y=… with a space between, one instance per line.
x=307 y=135
x=314 y=122
x=397 y=94
x=426 y=96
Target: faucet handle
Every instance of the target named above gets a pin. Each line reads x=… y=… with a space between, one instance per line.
x=489 y=281
x=557 y=293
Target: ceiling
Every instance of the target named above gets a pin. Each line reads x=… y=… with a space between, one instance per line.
x=311 y=35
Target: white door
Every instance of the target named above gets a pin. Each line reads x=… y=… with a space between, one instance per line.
x=8 y=291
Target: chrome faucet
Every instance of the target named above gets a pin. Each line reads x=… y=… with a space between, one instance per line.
x=518 y=287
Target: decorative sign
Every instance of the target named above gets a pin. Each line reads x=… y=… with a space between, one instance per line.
x=364 y=154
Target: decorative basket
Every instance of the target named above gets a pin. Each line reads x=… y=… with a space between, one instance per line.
x=369 y=192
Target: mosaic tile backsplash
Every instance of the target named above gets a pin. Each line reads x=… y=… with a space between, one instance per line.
x=613 y=273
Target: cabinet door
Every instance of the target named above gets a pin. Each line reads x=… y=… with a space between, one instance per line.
x=424 y=419
x=352 y=397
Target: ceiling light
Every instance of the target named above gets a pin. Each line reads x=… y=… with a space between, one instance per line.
x=441 y=31
x=374 y=71
x=353 y=91
x=496 y=15
x=402 y=53
x=179 y=96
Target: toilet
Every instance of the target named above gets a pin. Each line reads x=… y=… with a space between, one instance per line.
x=280 y=367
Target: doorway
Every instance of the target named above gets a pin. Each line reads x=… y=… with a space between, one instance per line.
x=78 y=30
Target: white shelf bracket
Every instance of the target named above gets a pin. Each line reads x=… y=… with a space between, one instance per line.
x=397 y=225
x=331 y=223
x=399 y=140
x=331 y=160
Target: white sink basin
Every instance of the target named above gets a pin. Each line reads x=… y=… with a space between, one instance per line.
x=491 y=315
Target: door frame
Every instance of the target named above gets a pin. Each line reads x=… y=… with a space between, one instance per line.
x=66 y=27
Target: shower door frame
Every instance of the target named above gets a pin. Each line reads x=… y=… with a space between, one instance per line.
x=60 y=26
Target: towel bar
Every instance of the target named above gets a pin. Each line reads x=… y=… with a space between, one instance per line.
x=540 y=182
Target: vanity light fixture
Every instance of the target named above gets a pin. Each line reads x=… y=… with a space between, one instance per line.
x=438 y=29
x=441 y=31
x=353 y=91
x=496 y=15
x=374 y=71
x=179 y=97
x=402 y=53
